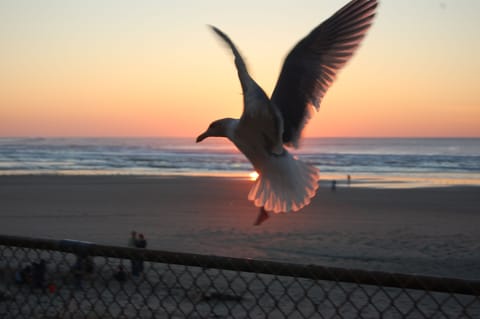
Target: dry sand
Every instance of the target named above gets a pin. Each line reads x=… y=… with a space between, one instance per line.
x=433 y=231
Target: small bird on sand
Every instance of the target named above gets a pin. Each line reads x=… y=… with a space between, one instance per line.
x=267 y=125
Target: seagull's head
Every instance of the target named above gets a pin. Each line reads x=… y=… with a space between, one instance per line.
x=219 y=128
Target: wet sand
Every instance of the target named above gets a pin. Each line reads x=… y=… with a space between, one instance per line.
x=423 y=230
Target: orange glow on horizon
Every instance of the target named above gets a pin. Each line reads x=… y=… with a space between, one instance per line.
x=136 y=70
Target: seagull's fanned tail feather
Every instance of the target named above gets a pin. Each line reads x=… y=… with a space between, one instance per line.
x=286 y=184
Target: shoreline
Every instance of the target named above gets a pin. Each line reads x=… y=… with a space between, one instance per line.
x=357 y=181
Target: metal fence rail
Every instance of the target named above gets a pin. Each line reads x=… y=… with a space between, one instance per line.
x=41 y=278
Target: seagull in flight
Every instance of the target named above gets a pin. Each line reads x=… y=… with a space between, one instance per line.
x=268 y=125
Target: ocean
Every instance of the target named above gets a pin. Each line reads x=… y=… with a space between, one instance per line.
x=373 y=162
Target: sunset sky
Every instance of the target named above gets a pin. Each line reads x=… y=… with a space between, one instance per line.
x=152 y=68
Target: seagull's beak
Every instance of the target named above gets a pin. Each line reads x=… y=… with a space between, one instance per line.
x=203 y=136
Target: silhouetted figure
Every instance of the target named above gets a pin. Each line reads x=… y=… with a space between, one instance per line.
x=120 y=275
x=349 y=179
x=141 y=243
x=78 y=270
x=89 y=266
x=334 y=185
x=38 y=274
x=18 y=276
x=132 y=242
x=24 y=275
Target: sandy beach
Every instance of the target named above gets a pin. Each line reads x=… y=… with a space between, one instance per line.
x=431 y=231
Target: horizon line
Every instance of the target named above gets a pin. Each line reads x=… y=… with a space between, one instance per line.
x=193 y=137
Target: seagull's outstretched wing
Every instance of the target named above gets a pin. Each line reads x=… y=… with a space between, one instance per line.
x=313 y=63
x=239 y=63
x=259 y=115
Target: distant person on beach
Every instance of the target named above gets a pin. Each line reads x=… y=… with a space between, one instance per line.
x=349 y=179
x=141 y=243
x=334 y=185
x=132 y=243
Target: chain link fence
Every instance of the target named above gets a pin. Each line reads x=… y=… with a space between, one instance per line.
x=42 y=278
